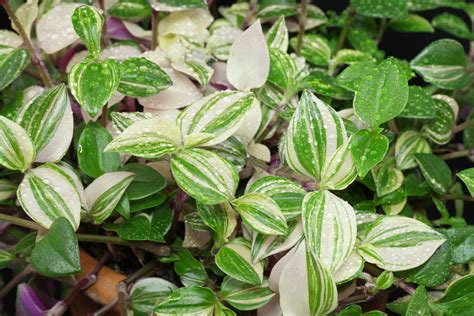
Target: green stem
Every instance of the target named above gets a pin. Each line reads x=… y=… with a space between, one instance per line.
x=463 y=126
x=467 y=198
x=20 y=222
x=302 y=23
x=14 y=282
x=345 y=30
x=154 y=29
x=34 y=55
x=383 y=27
x=456 y=154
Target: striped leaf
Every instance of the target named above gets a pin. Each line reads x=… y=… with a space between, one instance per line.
x=264 y=246
x=261 y=213
x=220 y=114
x=93 y=83
x=191 y=300
x=330 y=228
x=305 y=286
x=177 y=5
x=410 y=143
x=350 y=269
x=287 y=194
x=387 y=178
x=439 y=129
x=340 y=170
x=140 y=77
x=243 y=296
x=436 y=172
x=7 y=189
x=234 y=259
x=46 y=194
x=48 y=120
x=123 y=120
x=88 y=22
x=313 y=136
x=204 y=175
x=105 y=192
x=150 y=138
x=315 y=49
x=232 y=150
x=221 y=39
x=16 y=149
x=443 y=64
x=71 y=176
x=467 y=176
x=12 y=63
x=220 y=218
x=397 y=243
x=283 y=69
x=196 y=69
x=277 y=35
x=148 y=292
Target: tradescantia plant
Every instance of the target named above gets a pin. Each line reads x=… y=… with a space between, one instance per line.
x=187 y=158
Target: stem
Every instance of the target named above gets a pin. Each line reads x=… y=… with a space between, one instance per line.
x=34 y=55
x=250 y=12
x=21 y=222
x=122 y=298
x=154 y=29
x=405 y=286
x=302 y=22
x=104 y=116
x=14 y=282
x=456 y=154
x=393 y=127
x=345 y=30
x=463 y=126
x=106 y=308
x=467 y=198
x=383 y=27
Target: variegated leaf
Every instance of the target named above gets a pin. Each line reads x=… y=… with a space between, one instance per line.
x=245 y=297
x=220 y=114
x=12 y=63
x=261 y=213
x=313 y=136
x=409 y=143
x=234 y=259
x=16 y=149
x=467 y=176
x=221 y=39
x=397 y=243
x=387 y=178
x=105 y=192
x=340 y=170
x=232 y=150
x=123 y=120
x=47 y=118
x=287 y=194
x=7 y=189
x=46 y=194
x=93 y=83
x=266 y=245
x=283 y=69
x=196 y=69
x=250 y=123
x=204 y=175
x=73 y=179
x=330 y=228
x=305 y=286
x=349 y=269
x=150 y=138
x=220 y=218
x=436 y=172
x=315 y=49
x=277 y=35
x=88 y=23
x=439 y=129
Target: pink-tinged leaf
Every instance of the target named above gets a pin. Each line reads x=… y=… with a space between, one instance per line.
x=30 y=302
x=117 y=30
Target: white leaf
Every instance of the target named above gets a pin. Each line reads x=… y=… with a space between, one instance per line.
x=250 y=123
x=9 y=38
x=349 y=269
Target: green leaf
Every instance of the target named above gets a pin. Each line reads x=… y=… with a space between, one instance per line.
x=351 y=77
x=419 y=303
x=397 y=243
x=221 y=310
x=350 y=56
x=234 y=259
x=422 y=5
x=442 y=63
x=149 y=292
x=436 y=172
x=277 y=35
x=7 y=189
x=384 y=280
x=92 y=159
x=458 y=298
x=47 y=193
x=93 y=82
x=411 y=23
x=368 y=148
x=387 y=178
x=243 y=296
x=322 y=83
x=362 y=40
x=188 y=300
x=415 y=186
x=123 y=120
x=204 y=175
x=420 y=104
x=407 y=145
x=380 y=8
x=287 y=194
x=5 y=258
x=452 y=24
x=315 y=49
x=140 y=77
x=16 y=149
x=330 y=228
x=147 y=181
x=57 y=253
x=382 y=94
x=352 y=310
x=220 y=218
x=130 y=9
x=439 y=129
x=283 y=69
x=219 y=114
x=190 y=270
x=146 y=203
x=177 y=5
x=467 y=176
x=462 y=243
x=12 y=63
x=105 y=192
x=88 y=23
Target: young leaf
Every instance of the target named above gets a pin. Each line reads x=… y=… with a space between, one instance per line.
x=46 y=193
x=387 y=178
x=397 y=243
x=436 y=172
x=12 y=63
x=220 y=218
x=130 y=9
x=315 y=49
x=243 y=296
x=452 y=24
x=188 y=300
x=234 y=259
x=59 y=246
x=104 y=193
x=419 y=304
x=382 y=94
x=149 y=292
x=16 y=149
x=420 y=104
x=408 y=144
x=439 y=129
x=277 y=35
x=458 y=297
x=88 y=23
x=330 y=228
x=283 y=69
x=368 y=148
x=467 y=176
x=249 y=61
x=380 y=8
x=323 y=84
x=93 y=82
x=411 y=23
x=140 y=77
x=204 y=175
x=384 y=280
x=442 y=63
x=92 y=159
x=151 y=138
x=189 y=269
